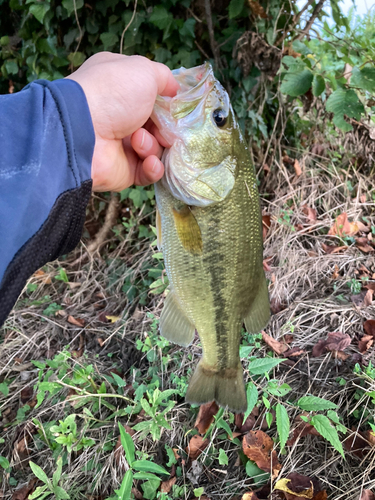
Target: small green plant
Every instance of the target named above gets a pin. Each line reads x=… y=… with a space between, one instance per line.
x=355 y=286
x=49 y=487
x=66 y=434
x=62 y=276
x=138 y=469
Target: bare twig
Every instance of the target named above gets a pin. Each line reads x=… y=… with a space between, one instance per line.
x=310 y=22
x=214 y=47
x=127 y=26
x=294 y=24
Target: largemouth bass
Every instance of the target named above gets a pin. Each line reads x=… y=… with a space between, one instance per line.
x=210 y=231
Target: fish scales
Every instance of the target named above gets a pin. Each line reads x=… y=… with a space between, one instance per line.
x=217 y=282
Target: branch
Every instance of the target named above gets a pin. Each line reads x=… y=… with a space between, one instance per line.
x=310 y=22
x=214 y=47
x=294 y=24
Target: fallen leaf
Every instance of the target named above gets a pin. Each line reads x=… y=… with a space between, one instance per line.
x=294 y=352
x=283 y=485
x=356 y=444
x=175 y=453
x=368 y=298
x=363 y=245
x=249 y=422
x=336 y=273
x=266 y=263
x=297 y=168
x=250 y=496
x=302 y=429
x=369 y=327
x=365 y=343
x=166 y=486
x=310 y=213
x=206 y=416
x=258 y=447
x=335 y=341
x=266 y=224
x=24 y=492
x=137 y=494
x=332 y=248
x=26 y=394
x=298 y=487
x=76 y=321
x=367 y=495
x=113 y=319
x=196 y=446
x=342 y=227
x=275 y=345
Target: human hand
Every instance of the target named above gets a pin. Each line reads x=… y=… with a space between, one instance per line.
x=121 y=91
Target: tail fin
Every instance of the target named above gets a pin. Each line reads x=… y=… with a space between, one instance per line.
x=225 y=386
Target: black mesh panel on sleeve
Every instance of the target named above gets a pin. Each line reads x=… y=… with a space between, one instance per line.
x=59 y=234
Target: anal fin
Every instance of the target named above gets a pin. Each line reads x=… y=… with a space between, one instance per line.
x=259 y=313
x=174 y=325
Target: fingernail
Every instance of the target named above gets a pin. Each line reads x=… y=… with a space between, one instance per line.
x=155 y=165
x=146 y=142
x=143 y=138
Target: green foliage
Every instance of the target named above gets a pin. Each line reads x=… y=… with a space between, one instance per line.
x=49 y=487
x=313 y=403
x=283 y=424
x=323 y=425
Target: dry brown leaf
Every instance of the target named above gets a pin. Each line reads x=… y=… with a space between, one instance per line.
x=249 y=422
x=297 y=168
x=258 y=446
x=196 y=446
x=266 y=224
x=166 y=486
x=206 y=416
x=257 y=9
x=266 y=263
x=335 y=273
x=284 y=483
x=367 y=495
x=137 y=494
x=310 y=213
x=356 y=444
x=275 y=345
x=369 y=327
x=342 y=226
x=251 y=495
x=335 y=341
x=333 y=249
x=76 y=321
x=368 y=298
x=24 y=492
x=298 y=487
x=175 y=453
x=294 y=352
x=365 y=343
x=302 y=429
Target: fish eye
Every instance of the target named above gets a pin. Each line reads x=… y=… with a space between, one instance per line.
x=219 y=117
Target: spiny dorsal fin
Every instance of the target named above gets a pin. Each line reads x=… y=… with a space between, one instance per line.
x=188 y=230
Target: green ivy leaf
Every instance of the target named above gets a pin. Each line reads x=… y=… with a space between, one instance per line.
x=325 y=429
x=69 y=5
x=4 y=388
x=364 y=78
x=4 y=463
x=264 y=365
x=313 y=403
x=282 y=424
x=161 y=17
x=235 y=8
x=150 y=488
x=39 y=10
x=296 y=83
x=318 y=85
x=76 y=58
x=109 y=40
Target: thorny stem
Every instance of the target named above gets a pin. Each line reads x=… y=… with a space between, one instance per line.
x=314 y=15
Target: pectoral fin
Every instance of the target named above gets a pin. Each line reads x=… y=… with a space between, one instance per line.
x=188 y=230
x=259 y=314
x=174 y=325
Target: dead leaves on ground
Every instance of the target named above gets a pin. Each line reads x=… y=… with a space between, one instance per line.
x=206 y=416
x=336 y=342
x=367 y=340
x=298 y=487
x=367 y=495
x=343 y=228
x=196 y=446
x=258 y=447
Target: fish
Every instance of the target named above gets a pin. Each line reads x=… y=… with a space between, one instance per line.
x=209 y=229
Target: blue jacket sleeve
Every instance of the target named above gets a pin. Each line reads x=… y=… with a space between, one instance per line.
x=46 y=146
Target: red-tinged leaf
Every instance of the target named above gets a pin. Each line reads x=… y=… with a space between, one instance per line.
x=196 y=446
x=310 y=213
x=368 y=298
x=342 y=227
x=266 y=264
x=336 y=341
x=369 y=327
x=365 y=343
x=166 y=486
x=266 y=224
x=356 y=444
x=333 y=249
x=276 y=346
x=258 y=446
x=297 y=168
x=76 y=321
x=302 y=429
x=206 y=416
x=294 y=352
